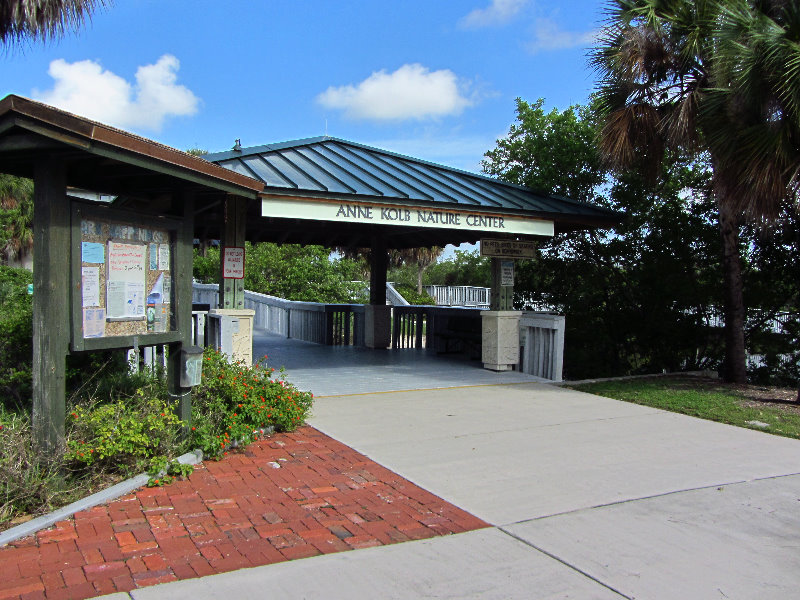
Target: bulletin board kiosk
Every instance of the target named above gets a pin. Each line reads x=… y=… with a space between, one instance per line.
x=115 y=271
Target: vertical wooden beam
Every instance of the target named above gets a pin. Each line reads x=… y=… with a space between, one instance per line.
x=235 y=213
x=51 y=302
x=182 y=290
x=379 y=265
x=502 y=295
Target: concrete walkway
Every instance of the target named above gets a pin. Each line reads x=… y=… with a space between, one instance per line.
x=587 y=497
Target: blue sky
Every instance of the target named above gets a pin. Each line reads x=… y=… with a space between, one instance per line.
x=434 y=79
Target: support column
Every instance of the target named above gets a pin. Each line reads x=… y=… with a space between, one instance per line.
x=231 y=291
x=182 y=296
x=500 y=324
x=231 y=299
x=378 y=316
x=51 y=302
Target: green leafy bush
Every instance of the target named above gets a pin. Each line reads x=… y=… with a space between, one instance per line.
x=412 y=296
x=16 y=337
x=235 y=404
x=124 y=435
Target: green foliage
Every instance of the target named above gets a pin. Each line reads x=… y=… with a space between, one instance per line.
x=411 y=295
x=236 y=404
x=163 y=471
x=27 y=485
x=303 y=273
x=206 y=269
x=16 y=334
x=126 y=433
x=635 y=297
x=16 y=217
x=698 y=399
x=465 y=267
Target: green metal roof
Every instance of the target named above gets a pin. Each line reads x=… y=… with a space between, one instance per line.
x=329 y=167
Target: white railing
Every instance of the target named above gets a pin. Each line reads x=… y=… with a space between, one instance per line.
x=460 y=295
x=394 y=297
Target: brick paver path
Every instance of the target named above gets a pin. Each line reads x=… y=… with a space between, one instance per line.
x=290 y=496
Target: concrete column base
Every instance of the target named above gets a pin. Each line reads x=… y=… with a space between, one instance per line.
x=377 y=326
x=500 y=339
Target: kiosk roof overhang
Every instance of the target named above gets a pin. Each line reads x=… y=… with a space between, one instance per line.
x=108 y=160
x=314 y=188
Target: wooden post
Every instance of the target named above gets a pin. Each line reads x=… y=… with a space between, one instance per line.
x=51 y=302
x=502 y=295
x=379 y=265
x=232 y=290
x=182 y=290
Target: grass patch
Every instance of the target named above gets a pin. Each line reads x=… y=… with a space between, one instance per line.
x=707 y=399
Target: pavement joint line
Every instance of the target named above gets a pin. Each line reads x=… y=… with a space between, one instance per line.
x=566 y=564
x=653 y=496
x=434 y=389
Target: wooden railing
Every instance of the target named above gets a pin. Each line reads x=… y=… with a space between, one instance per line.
x=330 y=324
x=437 y=328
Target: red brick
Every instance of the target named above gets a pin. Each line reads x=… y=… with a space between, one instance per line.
x=21 y=586
x=104 y=586
x=304 y=551
x=153 y=578
x=105 y=570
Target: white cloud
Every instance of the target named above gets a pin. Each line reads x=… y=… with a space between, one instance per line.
x=411 y=92
x=86 y=89
x=499 y=12
x=548 y=35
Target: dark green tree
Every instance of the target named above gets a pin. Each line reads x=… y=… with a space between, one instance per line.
x=304 y=273
x=717 y=79
x=16 y=218
x=635 y=297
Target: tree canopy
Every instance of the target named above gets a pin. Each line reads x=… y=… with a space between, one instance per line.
x=22 y=20
x=708 y=77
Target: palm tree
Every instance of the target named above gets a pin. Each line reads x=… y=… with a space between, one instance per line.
x=16 y=219
x=720 y=79
x=422 y=258
x=43 y=19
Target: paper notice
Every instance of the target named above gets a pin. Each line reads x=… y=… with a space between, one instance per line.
x=90 y=285
x=163 y=257
x=94 y=322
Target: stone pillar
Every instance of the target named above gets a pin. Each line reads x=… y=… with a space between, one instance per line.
x=500 y=325
x=377 y=315
x=500 y=339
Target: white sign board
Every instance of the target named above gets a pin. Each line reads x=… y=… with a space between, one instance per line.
x=400 y=215
x=507 y=248
x=233 y=263
x=507 y=273
x=125 y=281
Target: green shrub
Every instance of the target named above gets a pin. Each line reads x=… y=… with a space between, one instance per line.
x=27 y=484
x=235 y=404
x=125 y=432
x=16 y=338
x=412 y=296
